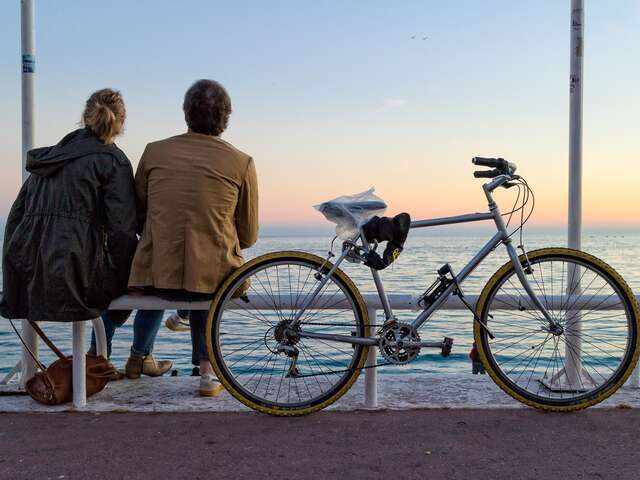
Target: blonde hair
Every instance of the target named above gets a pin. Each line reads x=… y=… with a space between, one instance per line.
x=104 y=114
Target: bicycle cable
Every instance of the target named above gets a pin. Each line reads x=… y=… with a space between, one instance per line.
x=526 y=193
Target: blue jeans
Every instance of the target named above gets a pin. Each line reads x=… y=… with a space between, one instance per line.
x=145 y=329
x=197 y=320
x=198 y=325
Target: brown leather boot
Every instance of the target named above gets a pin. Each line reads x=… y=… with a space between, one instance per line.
x=155 y=369
x=133 y=368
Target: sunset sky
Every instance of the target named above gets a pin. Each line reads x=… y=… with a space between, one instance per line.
x=333 y=97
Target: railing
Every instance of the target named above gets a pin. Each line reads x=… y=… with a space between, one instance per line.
x=131 y=302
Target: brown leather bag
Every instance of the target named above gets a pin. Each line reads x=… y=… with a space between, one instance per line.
x=54 y=385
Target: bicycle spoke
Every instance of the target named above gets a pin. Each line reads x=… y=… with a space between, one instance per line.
x=250 y=340
x=591 y=336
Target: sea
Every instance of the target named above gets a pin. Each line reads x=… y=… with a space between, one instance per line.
x=425 y=251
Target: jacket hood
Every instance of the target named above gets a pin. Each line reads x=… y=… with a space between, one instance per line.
x=47 y=161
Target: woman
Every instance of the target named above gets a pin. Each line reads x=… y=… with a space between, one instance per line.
x=71 y=233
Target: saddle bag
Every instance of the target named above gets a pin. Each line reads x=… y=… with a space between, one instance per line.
x=394 y=231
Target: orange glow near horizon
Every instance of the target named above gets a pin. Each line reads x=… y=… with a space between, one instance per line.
x=608 y=200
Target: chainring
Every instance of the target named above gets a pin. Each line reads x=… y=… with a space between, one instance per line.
x=393 y=338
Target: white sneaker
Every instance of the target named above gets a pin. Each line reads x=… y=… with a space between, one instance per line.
x=176 y=323
x=209 y=386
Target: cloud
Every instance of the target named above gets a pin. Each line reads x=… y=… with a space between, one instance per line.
x=394 y=102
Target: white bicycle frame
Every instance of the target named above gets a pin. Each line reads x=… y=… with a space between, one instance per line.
x=501 y=236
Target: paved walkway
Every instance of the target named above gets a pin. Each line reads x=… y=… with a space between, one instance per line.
x=397 y=392
x=458 y=444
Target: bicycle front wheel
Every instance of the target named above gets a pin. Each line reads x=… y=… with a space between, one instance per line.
x=262 y=358
x=575 y=365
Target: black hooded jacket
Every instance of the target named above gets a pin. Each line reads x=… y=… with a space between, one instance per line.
x=71 y=233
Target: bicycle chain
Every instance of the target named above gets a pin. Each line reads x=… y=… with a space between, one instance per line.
x=330 y=372
x=343 y=371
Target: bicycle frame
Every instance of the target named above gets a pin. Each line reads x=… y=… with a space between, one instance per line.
x=501 y=236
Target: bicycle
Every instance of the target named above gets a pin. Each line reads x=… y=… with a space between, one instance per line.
x=555 y=328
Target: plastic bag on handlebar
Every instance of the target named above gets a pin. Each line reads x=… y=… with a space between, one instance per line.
x=350 y=212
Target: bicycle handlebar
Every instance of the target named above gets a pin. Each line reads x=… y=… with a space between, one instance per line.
x=488 y=162
x=500 y=166
x=486 y=173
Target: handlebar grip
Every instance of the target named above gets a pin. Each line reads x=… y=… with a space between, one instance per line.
x=486 y=173
x=489 y=162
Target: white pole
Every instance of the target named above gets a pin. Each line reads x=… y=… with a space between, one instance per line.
x=28 y=79
x=371 y=374
x=634 y=381
x=575 y=124
x=79 y=367
x=573 y=325
x=27 y=15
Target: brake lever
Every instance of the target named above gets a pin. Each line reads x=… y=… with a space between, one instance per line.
x=508 y=184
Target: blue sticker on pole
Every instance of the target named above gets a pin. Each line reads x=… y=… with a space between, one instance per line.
x=28 y=63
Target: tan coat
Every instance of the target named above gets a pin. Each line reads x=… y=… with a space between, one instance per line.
x=199 y=196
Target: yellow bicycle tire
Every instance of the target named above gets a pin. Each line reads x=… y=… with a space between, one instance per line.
x=480 y=335
x=223 y=291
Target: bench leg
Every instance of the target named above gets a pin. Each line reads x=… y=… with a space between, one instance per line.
x=79 y=365
x=101 y=337
x=29 y=367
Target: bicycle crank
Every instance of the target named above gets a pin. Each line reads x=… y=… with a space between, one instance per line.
x=400 y=343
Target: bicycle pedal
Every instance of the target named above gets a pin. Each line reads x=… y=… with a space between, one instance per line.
x=447 y=345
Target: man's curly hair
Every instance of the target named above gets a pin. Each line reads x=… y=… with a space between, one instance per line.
x=207 y=107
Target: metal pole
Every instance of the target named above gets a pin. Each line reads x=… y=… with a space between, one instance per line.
x=27 y=15
x=634 y=381
x=371 y=374
x=28 y=79
x=573 y=325
x=575 y=124
x=79 y=365
x=572 y=375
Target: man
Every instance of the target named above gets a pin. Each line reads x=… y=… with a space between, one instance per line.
x=198 y=196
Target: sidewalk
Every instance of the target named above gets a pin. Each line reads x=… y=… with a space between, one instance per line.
x=510 y=444
x=396 y=392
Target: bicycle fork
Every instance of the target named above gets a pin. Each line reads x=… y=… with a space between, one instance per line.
x=554 y=326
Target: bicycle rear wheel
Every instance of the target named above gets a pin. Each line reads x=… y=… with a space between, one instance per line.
x=245 y=338
x=575 y=366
